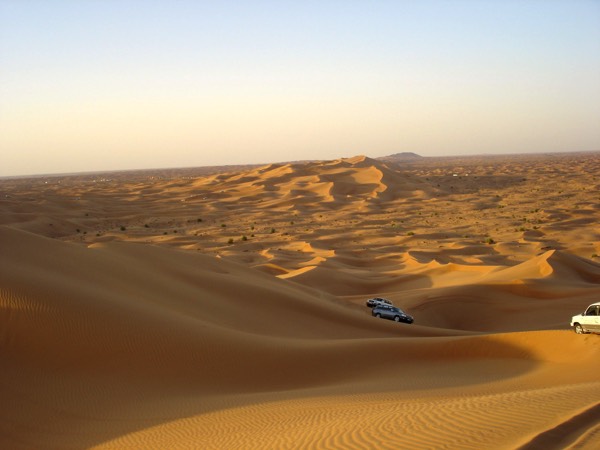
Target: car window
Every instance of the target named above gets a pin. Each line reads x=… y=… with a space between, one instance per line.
x=592 y=311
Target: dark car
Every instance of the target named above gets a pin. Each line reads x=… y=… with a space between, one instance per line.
x=378 y=301
x=392 y=313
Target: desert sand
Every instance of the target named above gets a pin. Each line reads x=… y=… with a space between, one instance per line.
x=225 y=308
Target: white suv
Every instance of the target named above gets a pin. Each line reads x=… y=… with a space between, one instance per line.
x=377 y=301
x=589 y=321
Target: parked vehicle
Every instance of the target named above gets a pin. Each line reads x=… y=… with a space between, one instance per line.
x=588 y=321
x=378 y=301
x=392 y=313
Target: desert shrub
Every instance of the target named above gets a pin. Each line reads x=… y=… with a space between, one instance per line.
x=410 y=233
x=489 y=241
x=199 y=220
x=123 y=228
x=230 y=241
x=272 y=230
x=223 y=225
x=244 y=238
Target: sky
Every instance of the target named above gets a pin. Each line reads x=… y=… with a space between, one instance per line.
x=93 y=85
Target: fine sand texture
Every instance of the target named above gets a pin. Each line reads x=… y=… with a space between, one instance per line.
x=225 y=308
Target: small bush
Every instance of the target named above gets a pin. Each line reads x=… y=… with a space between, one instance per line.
x=244 y=238
x=230 y=241
x=410 y=233
x=490 y=241
x=272 y=230
x=123 y=228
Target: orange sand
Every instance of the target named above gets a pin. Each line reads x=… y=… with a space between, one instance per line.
x=134 y=313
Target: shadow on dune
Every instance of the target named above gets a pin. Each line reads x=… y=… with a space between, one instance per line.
x=567 y=433
x=100 y=343
x=108 y=392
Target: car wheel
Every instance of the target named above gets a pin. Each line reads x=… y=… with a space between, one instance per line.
x=378 y=315
x=578 y=329
x=396 y=318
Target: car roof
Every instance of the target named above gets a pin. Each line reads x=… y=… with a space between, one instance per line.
x=595 y=304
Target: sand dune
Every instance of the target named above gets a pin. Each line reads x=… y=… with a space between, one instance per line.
x=133 y=314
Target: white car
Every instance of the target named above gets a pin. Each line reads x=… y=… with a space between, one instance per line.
x=588 y=321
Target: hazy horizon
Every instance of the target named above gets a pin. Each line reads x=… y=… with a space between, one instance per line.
x=298 y=161
x=124 y=85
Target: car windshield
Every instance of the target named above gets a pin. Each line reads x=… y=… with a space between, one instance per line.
x=592 y=311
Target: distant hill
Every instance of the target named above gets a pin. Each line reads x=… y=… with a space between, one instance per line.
x=401 y=157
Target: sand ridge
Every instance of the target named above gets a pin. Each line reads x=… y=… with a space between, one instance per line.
x=134 y=314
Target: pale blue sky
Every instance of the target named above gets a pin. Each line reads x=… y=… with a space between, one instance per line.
x=91 y=85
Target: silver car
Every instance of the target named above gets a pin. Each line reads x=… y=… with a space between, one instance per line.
x=378 y=301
